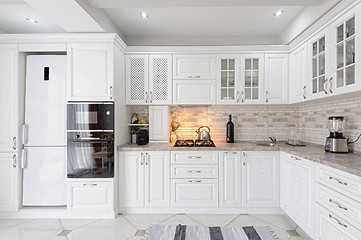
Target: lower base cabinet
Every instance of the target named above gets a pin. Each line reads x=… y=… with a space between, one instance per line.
x=90 y=196
x=7 y=181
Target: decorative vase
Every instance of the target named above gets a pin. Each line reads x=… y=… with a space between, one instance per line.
x=134 y=138
x=173 y=137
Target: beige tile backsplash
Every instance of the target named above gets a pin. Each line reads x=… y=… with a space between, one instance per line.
x=258 y=122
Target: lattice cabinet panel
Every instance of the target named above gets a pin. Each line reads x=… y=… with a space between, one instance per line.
x=137 y=79
x=160 y=79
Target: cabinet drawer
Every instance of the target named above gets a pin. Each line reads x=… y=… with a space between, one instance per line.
x=90 y=196
x=194 y=92
x=333 y=227
x=343 y=182
x=200 y=66
x=340 y=204
x=194 y=171
x=194 y=157
x=194 y=192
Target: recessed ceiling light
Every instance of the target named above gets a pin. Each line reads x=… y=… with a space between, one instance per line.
x=278 y=13
x=32 y=20
x=143 y=14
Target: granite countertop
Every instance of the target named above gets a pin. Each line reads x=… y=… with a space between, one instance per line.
x=350 y=162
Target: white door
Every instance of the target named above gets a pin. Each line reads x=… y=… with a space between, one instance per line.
x=298 y=186
x=91 y=71
x=158 y=123
x=137 y=79
x=252 y=78
x=260 y=179
x=194 y=92
x=276 y=78
x=8 y=164
x=160 y=79
x=44 y=176
x=45 y=101
x=131 y=179
x=230 y=180
x=8 y=98
x=157 y=179
x=194 y=66
x=298 y=87
x=228 y=80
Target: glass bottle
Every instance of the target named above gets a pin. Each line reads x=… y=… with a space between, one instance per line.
x=230 y=130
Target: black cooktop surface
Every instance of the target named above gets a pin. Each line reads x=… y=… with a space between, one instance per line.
x=197 y=143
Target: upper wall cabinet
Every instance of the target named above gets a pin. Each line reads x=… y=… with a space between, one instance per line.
x=8 y=98
x=228 y=82
x=276 y=78
x=91 y=72
x=200 y=66
x=149 y=79
x=298 y=86
x=345 y=48
x=252 y=78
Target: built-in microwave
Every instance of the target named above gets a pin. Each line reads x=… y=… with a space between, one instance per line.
x=90 y=116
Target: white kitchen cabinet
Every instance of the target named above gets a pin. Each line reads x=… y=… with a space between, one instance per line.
x=90 y=196
x=230 y=184
x=144 y=179
x=228 y=80
x=297 y=191
x=9 y=94
x=158 y=123
x=252 y=78
x=8 y=166
x=345 y=62
x=260 y=179
x=148 y=79
x=194 y=66
x=298 y=80
x=90 y=69
x=276 y=78
x=194 y=92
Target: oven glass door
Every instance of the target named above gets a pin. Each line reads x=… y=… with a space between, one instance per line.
x=90 y=116
x=91 y=159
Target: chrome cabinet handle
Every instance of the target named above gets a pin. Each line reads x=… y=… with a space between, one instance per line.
x=244 y=154
x=146 y=159
x=197 y=157
x=111 y=92
x=90 y=184
x=304 y=92
x=338 y=205
x=142 y=159
x=14 y=161
x=23 y=158
x=296 y=158
x=237 y=96
x=151 y=97
x=194 y=181
x=14 y=143
x=194 y=171
x=340 y=182
x=194 y=76
x=23 y=129
x=329 y=87
x=266 y=96
x=324 y=86
x=242 y=97
x=338 y=221
x=146 y=97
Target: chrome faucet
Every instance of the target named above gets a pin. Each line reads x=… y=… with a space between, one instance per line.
x=273 y=139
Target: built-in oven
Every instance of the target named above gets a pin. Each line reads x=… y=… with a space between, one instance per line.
x=90 y=116
x=90 y=155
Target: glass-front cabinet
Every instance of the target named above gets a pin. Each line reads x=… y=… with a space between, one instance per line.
x=228 y=79
x=345 y=49
x=252 y=72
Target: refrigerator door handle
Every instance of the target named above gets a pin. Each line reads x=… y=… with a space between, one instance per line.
x=23 y=129
x=23 y=158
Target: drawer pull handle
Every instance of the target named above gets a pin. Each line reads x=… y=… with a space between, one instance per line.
x=90 y=184
x=194 y=181
x=194 y=171
x=340 y=182
x=338 y=221
x=338 y=205
x=296 y=158
x=198 y=157
x=196 y=76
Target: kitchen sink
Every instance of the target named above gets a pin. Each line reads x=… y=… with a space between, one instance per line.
x=267 y=144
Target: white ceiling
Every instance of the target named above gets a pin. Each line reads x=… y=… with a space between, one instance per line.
x=170 y=22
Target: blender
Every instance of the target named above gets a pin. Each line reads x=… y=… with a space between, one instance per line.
x=336 y=142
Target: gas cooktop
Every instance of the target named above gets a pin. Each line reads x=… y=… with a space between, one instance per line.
x=197 y=143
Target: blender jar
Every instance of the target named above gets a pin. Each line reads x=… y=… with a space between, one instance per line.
x=336 y=124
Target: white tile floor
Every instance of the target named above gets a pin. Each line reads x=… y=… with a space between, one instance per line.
x=127 y=226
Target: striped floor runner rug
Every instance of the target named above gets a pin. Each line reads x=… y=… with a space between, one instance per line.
x=184 y=232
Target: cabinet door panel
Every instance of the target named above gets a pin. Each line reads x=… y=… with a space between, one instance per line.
x=200 y=66
x=158 y=123
x=137 y=79
x=157 y=179
x=252 y=79
x=131 y=179
x=90 y=72
x=8 y=98
x=228 y=80
x=7 y=181
x=276 y=78
x=160 y=79
x=194 y=92
x=298 y=87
